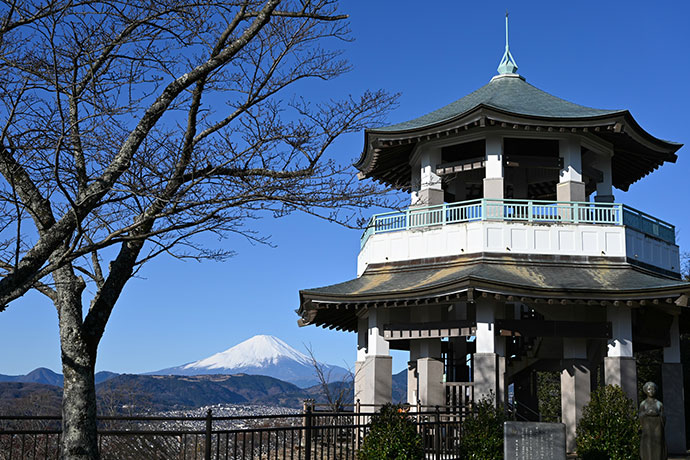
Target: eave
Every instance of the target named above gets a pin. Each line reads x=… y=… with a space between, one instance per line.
x=636 y=152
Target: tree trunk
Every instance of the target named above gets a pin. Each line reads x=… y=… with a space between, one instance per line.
x=79 y=431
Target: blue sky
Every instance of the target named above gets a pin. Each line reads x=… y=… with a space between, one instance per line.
x=615 y=55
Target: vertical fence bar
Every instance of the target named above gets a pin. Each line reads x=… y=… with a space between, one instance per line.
x=307 y=433
x=209 y=425
x=437 y=434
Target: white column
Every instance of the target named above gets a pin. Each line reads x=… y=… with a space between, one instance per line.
x=672 y=352
x=619 y=364
x=415 y=183
x=674 y=400
x=412 y=374
x=486 y=311
x=362 y=332
x=621 y=342
x=605 y=187
x=376 y=344
x=430 y=185
x=570 y=186
x=484 y=361
x=493 y=164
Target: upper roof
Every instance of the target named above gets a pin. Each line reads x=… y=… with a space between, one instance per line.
x=508 y=102
x=508 y=93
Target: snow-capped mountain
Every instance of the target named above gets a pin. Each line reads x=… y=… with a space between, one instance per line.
x=260 y=355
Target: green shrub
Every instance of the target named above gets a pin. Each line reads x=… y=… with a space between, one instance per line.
x=609 y=427
x=482 y=432
x=392 y=436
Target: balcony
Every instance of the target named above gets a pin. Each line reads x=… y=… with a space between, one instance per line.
x=520 y=226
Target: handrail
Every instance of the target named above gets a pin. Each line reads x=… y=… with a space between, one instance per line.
x=572 y=212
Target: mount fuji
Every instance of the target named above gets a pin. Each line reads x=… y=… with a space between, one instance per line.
x=261 y=355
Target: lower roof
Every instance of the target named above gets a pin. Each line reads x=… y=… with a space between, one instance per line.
x=556 y=279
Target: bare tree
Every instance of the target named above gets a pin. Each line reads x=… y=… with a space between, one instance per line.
x=130 y=128
x=337 y=392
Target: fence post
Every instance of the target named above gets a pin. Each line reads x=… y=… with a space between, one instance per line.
x=307 y=433
x=209 y=426
x=358 y=420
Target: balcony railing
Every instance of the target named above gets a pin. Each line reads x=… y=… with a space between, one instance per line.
x=568 y=212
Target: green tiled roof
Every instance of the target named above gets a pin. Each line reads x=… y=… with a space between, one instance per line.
x=509 y=93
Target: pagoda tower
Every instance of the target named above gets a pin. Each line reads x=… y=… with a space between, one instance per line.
x=513 y=257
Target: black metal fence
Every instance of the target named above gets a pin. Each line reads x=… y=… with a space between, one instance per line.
x=309 y=435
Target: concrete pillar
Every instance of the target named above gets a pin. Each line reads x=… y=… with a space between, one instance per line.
x=415 y=183
x=430 y=185
x=362 y=332
x=413 y=374
x=619 y=365
x=570 y=186
x=501 y=393
x=431 y=388
x=605 y=187
x=674 y=400
x=376 y=383
x=493 y=164
x=485 y=365
x=575 y=386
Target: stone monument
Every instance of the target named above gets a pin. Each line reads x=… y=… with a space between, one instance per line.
x=534 y=441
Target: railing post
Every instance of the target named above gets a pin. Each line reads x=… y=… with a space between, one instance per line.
x=530 y=217
x=407 y=219
x=576 y=213
x=209 y=426
x=483 y=209
x=443 y=210
x=307 y=435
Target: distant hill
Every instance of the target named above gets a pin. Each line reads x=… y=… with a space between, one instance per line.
x=18 y=398
x=143 y=393
x=261 y=355
x=47 y=377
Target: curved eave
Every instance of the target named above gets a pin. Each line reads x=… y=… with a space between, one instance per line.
x=639 y=152
x=391 y=285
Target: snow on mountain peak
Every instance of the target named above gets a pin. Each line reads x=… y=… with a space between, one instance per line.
x=258 y=351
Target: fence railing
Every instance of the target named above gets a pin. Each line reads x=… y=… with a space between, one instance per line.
x=538 y=211
x=309 y=435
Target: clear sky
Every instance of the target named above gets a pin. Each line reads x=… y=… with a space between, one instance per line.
x=614 y=55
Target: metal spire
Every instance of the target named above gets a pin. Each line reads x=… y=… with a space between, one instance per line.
x=508 y=64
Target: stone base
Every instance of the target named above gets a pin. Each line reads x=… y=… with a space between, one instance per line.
x=485 y=376
x=431 y=389
x=494 y=188
x=674 y=406
x=429 y=197
x=575 y=391
x=622 y=371
x=570 y=191
x=376 y=382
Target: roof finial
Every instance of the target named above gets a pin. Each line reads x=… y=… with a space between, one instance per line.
x=508 y=64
